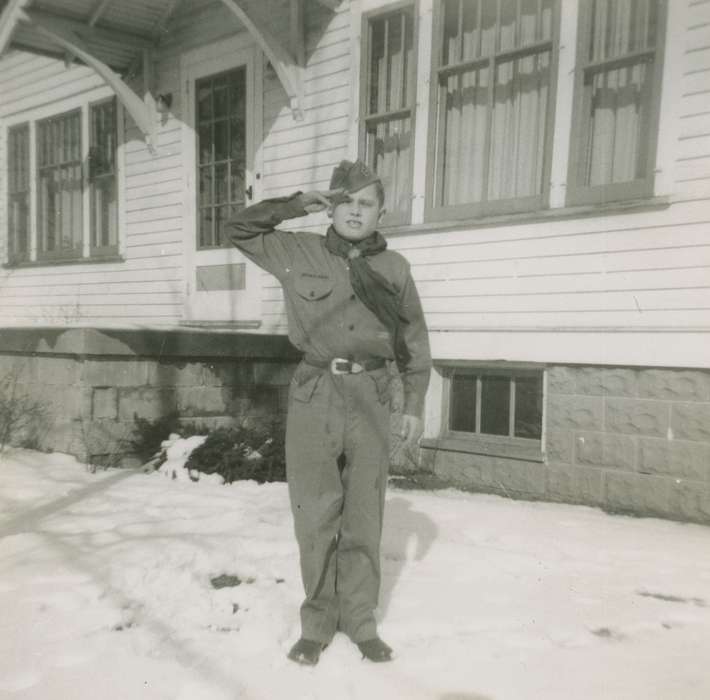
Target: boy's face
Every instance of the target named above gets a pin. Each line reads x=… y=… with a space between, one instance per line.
x=358 y=216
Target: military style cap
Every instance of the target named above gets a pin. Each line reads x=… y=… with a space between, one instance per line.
x=352 y=176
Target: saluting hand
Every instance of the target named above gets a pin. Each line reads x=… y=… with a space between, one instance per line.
x=319 y=200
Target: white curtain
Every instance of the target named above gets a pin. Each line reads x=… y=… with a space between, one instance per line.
x=517 y=132
x=614 y=140
x=60 y=183
x=619 y=27
x=391 y=144
x=493 y=149
x=389 y=140
x=619 y=97
x=465 y=133
x=518 y=127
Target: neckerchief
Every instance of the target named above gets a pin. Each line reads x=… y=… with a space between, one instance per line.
x=376 y=292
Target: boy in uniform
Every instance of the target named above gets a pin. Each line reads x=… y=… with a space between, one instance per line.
x=352 y=306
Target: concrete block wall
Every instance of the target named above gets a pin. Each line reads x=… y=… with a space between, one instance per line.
x=93 y=384
x=90 y=400
x=631 y=440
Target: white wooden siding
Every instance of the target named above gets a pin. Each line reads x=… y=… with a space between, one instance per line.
x=628 y=288
x=149 y=286
x=653 y=266
x=488 y=293
x=693 y=146
x=619 y=287
x=135 y=291
x=301 y=155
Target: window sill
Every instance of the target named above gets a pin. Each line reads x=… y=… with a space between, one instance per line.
x=222 y=325
x=68 y=261
x=527 y=450
x=560 y=213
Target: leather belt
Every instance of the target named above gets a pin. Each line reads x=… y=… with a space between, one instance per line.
x=341 y=365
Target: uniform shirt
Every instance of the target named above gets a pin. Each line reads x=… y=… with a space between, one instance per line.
x=325 y=317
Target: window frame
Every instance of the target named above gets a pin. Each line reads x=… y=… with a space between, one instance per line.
x=643 y=188
x=12 y=248
x=484 y=443
x=60 y=254
x=32 y=117
x=390 y=218
x=434 y=212
x=213 y=163
x=100 y=250
x=244 y=304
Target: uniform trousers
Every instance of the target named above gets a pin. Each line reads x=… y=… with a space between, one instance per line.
x=337 y=458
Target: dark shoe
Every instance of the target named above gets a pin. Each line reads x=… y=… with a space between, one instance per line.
x=375 y=650
x=306 y=652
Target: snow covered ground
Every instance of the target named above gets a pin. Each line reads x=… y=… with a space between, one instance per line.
x=105 y=592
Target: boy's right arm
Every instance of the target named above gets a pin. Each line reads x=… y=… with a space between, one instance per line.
x=253 y=230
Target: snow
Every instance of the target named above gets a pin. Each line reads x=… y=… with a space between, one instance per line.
x=105 y=591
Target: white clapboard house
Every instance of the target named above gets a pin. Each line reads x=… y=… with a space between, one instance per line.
x=547 y=164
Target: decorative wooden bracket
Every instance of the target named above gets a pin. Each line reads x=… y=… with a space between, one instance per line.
x=143 y=112
x=287 y=67
x=8 y=21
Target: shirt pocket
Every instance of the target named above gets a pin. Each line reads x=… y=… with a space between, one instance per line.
x=311 y=286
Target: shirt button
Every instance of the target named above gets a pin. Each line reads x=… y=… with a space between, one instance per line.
x=353 y=297
x=351 y=327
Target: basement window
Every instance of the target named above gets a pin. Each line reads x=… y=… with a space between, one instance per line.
x=493 y=410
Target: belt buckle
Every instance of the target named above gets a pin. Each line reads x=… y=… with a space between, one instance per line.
x=351 y=366
x=337 y=362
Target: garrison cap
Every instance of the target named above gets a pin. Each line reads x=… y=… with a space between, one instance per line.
x=352 y=176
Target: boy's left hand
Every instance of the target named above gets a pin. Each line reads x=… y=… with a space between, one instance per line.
x=412 y=428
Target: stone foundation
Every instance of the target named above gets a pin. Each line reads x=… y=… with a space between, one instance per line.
x=90 y=399
x=630 y=440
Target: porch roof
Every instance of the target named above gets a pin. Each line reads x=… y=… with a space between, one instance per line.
x=112 y=32
x=116 y=38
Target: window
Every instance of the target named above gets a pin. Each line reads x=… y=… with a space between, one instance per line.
x=487 y=131
x=616 y=100
x=71 y=159
x=387 y=110
x=492 y=99
x=491 y=402
x=18 y=190
x=221 y=134
x=103 y=184
x=59 y=186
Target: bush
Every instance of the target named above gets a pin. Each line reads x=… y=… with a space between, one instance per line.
x=242 y=453
x=148 y=435
x=22 y=418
